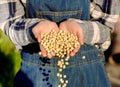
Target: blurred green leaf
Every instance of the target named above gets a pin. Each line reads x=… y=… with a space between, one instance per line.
x=9 y=61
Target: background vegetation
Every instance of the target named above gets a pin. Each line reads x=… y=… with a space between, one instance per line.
x=9 y=61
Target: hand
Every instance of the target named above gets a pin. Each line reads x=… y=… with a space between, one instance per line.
x=41 y=28
x=117 y=27
x=73 y=27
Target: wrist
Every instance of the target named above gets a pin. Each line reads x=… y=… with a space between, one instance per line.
x=30 y=33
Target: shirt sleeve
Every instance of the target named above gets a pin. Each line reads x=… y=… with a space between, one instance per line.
x=14 y=24
x=98 y=30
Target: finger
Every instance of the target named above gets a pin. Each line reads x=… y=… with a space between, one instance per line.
x=77 y=48
x=56 y=28
x=63 y=26
x=72 y=53
x=52 y=53
x=43 y=51
x=49 y=55
x=39 y=38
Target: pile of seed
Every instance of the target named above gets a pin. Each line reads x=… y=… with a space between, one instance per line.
x=60 y=43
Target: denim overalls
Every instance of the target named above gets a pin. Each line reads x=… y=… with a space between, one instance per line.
x=85 y=69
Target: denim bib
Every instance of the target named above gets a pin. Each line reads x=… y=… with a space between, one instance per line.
x=85 y=69
x=58 y=10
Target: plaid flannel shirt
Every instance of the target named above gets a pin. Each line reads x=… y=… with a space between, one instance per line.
x=96 y=31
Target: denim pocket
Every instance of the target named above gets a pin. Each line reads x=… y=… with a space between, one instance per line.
x=59 y=10
x=59 y=16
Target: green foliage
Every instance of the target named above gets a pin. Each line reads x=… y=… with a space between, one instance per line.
x=9 y=61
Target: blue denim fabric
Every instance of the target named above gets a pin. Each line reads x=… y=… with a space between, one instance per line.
x=59 y=10
x=85 y=69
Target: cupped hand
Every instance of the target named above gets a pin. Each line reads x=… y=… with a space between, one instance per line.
x=74 y=28
x=44 y=27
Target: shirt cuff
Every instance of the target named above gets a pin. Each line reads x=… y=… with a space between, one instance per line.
x=88 y=32
x=30 y=34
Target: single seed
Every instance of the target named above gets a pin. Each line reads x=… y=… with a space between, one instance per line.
x=83 y=57
x=64 y=76
x=64 y=66
x=59 y=85
x=66 y=81
x=67 y=63
x=60 y=70
x=58 y=74
x=39 y=53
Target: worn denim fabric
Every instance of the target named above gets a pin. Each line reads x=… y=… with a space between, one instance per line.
x=85 y=69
